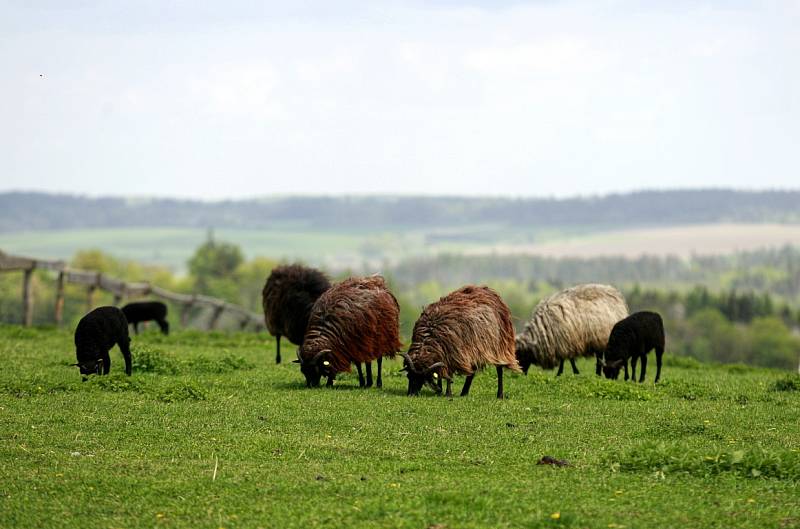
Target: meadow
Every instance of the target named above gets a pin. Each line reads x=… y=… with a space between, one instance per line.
x=209 y=432
x=339 y=248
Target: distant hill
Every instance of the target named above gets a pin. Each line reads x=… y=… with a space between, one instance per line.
x=22 y=211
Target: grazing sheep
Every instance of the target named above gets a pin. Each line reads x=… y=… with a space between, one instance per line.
x=140 y=311
x=355 y=321
x=287 y=298
x=572 y=323
x=634 y=337
x=96 y=334
x=461 y=333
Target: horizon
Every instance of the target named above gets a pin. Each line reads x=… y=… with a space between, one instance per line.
x=388 y=195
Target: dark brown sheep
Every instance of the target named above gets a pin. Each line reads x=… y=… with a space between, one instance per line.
x=461 y=333
x=287 y=298
x=355 y=321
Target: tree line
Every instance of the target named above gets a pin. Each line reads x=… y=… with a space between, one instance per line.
x=21 y=211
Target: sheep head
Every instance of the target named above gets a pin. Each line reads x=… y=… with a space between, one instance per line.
x=611 y=369
x=315 y=368
x=419 y=376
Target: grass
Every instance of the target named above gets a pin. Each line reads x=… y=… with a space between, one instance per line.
x=209 y=432
x=172 y=247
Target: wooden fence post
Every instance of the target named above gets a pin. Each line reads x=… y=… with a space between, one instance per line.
x=90 y=297
x=93 y=281
x=187 y=307
x=59 y=312
x=27 y=298
x=212 y=323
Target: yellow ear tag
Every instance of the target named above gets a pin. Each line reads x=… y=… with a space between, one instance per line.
x=326 y=363
x=436 y=375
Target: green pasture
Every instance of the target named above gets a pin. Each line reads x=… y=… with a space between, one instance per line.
x=172 y=247
x=210 y=433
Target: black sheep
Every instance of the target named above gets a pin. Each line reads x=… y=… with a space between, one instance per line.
x=96 y=334
x=287 y=298
x=634 y=337
x=140 y=311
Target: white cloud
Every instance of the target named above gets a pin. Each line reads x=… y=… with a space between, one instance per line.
x=537 y=98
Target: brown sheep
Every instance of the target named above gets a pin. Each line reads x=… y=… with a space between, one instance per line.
x=569 y=324
x=287 y=298
x=461 y=333
x=355 y=321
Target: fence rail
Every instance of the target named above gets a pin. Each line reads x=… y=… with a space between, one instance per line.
x=94 y=281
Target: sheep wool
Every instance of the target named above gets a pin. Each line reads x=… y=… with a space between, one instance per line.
x=569 y=324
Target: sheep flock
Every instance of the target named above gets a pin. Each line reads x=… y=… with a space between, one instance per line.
x=356 y=322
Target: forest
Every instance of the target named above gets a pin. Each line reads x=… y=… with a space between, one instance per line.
x=28 y=211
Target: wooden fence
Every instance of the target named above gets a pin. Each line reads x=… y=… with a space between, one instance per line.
x=120 y=290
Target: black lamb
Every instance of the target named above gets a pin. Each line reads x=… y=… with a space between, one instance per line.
x=287 y=298
x=140 y=311
x=634 y=337
x=96 y=334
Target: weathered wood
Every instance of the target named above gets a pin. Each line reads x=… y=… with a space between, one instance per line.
x=120 y=290
x=55 y=266
x=82 y=277
x=90 y=297
x=59 y=310
x=185 y=310
x=172 y=296
x=9 y=263
x=27 y=298
x=218 y=310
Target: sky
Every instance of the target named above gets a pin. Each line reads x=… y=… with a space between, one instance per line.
x=243 y=98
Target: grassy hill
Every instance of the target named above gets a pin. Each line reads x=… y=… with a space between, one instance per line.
x=209 y=433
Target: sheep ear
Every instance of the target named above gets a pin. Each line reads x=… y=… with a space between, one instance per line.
x=296 y=361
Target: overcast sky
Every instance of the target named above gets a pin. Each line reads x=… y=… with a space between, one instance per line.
x=242 y=98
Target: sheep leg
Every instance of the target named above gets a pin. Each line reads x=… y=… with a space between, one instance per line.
x=644 y=368
x=626 y=370
x=634 y=360
x=107 y=363
x=125 y=347
x=136 y=327
x=659 y=354
x=164 y=326
x=467 y=384
x=500 y=394
x=598 y=364
x=560 y=368
x=379 y=382
x=574 y=367
x=329 y=383
x=360 y=375
x=278 y=346
x=449 y=391
x=369 y=374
